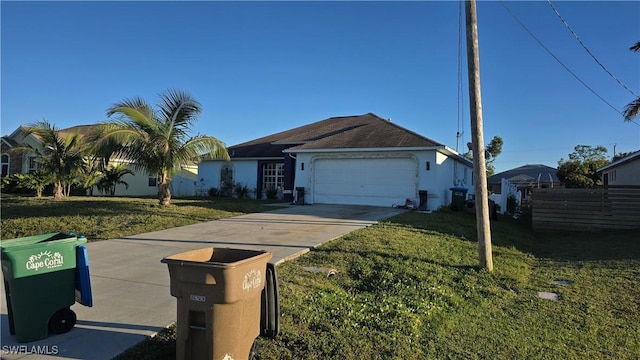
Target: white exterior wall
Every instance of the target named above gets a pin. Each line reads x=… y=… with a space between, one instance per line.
x=244 y=171
x=625 y=174
x=182 y=184
x=436 y=181
x=138 y=185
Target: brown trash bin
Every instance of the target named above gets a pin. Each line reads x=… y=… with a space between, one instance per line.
x=218 y=291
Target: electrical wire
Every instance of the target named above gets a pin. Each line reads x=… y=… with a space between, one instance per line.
x=589 y=51
x=560 y=62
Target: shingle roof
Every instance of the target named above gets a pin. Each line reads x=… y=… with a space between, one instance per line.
x=9 y=141
x=346 y=132
x=83 y=130
x=527 y=173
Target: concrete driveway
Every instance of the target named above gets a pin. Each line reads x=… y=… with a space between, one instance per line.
x=131 y=287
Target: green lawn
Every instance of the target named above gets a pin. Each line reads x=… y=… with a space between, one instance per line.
x=409 y=288
x=100 y=218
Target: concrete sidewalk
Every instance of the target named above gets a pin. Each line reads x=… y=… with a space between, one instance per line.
x=131 y=287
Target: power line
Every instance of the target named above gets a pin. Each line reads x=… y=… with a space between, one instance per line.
x=558 y=60
x=588 y=51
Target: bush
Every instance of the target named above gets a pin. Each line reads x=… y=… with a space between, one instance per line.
x=213 y=192
x=240 y=190
x=272 y=193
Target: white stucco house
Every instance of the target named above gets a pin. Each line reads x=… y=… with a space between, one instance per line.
x=359 y=160
x=622 y=172
x=185 y=183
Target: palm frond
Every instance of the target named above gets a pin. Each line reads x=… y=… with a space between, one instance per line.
x=631 y=110
x=635 y=47
x=179 y=110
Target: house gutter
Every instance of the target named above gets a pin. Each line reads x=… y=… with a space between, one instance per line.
x=441 y=148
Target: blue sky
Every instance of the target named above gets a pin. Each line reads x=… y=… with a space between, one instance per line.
x=262 y=67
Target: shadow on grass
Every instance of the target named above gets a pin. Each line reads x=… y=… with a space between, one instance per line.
x=507 y=232
x=394 y=257
x=588 y=246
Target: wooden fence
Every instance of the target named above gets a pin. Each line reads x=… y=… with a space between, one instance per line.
x=586 y=209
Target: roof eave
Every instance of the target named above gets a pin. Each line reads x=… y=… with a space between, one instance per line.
x=252 y=158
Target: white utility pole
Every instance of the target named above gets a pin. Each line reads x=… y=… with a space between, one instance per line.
x=479 y=164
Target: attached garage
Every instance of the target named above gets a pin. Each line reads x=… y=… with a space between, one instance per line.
x=379 y=181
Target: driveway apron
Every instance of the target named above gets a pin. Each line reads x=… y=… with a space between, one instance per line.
x=131 y=287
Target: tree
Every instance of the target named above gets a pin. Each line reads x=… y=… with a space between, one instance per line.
x=491 y=152
x=60 y=157
x=37 y=181
x=621 y=155
x=91 y=172
x=633 y=108
x=580 y=170
x=112 y=177
x=157 y=141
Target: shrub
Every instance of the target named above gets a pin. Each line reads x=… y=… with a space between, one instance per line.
x=272 y=193
x=240 y=190
x=213 y=192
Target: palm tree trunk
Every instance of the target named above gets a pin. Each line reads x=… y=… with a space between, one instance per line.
x=57 y=191
x=164 y=194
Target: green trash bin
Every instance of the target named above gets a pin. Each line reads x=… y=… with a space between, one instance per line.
x=40 y=284
x=458 y=197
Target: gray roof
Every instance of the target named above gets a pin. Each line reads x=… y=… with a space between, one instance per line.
x=527 y=173
x=346 y=132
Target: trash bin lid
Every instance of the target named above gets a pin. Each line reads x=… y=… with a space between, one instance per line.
x=215 y=257
x=459 y=189
x=39 y=254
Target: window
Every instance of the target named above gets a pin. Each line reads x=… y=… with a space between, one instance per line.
x=153 y=181
x=5 y=164
x=273 y=176
x=32 y=164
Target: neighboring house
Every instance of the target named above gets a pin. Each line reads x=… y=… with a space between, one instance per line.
x=623 y=172
x=140 y=184
x=360 y=160
x=526 y=177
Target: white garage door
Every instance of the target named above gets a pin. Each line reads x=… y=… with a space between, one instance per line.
x=379 y=182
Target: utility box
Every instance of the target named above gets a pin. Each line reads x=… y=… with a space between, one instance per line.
x=219 y=296
x=43 y=276
x=300 y=195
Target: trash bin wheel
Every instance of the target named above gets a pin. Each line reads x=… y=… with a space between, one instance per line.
x=62 y=321
x=253 y=354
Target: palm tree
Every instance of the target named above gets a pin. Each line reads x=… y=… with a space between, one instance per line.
x=157 y=141
x=37 y=181
x=60 y=157
x=633 y=108
x=112 y=177
x=91 y=172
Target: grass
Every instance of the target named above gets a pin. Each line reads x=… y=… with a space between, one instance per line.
x=100 y=218
x=410 y=288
